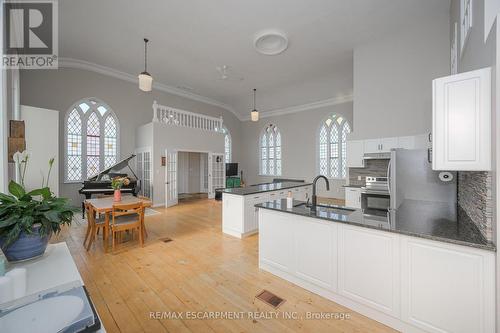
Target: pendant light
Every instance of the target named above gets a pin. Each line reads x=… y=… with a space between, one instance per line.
x=254 y=115
x=145 y=79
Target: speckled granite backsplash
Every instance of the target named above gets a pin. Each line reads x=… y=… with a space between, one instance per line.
x=475 y=198
x=372 y=168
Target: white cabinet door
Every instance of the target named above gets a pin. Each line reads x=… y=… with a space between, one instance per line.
x=447 y=288
x=276 y=240
x=355 y=151
x=353 y=197
x=461 y=123
x=369 y=268
x=316 y=252
x=386 y=144
x=371 y=146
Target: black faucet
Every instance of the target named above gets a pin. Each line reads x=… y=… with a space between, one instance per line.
x=314 y=197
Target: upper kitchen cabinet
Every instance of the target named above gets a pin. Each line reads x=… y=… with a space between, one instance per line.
x=380 y=145
x=355 y=151
x=461 y=121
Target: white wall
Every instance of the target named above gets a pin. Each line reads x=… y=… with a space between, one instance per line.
x=298 y=137
x=392 y=79
x=42 y=143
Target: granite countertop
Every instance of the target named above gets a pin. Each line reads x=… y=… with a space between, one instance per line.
x=263 y=188
x=432 y=220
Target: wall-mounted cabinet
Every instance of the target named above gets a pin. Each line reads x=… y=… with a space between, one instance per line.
x=355 y=151
x=380 y=145
x=461 y=121
x=357 y=148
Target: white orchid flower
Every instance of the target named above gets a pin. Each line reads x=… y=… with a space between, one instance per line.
x=21 y=156
x=18 y=156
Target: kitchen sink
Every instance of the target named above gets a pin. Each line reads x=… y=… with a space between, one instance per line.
x=345 y=210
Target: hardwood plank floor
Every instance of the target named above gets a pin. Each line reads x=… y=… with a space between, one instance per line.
x=201 y=269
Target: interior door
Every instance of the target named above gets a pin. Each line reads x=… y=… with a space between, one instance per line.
x=143 y=171
x=171 y=195
x=216 y=173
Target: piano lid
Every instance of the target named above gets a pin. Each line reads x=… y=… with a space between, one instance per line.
x=115 y=167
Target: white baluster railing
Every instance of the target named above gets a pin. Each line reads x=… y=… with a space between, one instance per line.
x=171 y=116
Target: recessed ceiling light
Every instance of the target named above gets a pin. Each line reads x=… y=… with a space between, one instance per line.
x=270 y=42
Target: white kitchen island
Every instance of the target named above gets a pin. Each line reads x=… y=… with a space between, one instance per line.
x=239 y=215
x=424 y=270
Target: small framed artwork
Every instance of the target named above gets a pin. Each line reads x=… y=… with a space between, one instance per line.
x=163 y=161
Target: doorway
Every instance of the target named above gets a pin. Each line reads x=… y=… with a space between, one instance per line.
x=192 y=175
x=199 y=174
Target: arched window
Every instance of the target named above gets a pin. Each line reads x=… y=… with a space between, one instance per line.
x=91 y=138
x=332 y=138
x=227 y=144
x=270 y=151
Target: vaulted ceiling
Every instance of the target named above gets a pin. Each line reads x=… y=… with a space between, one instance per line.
x=190 y=38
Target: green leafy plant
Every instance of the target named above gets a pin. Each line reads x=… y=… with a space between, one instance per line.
x=20 y=210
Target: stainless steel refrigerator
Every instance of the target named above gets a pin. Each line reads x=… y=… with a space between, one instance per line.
x=411 y=178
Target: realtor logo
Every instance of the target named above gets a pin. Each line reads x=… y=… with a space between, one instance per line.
x=30 y=39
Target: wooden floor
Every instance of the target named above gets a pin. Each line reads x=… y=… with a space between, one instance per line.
x=199 y=270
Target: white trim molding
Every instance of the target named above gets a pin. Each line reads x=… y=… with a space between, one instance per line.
x=89 y=66
x=304 y=107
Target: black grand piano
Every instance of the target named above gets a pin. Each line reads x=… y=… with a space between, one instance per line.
x=101 y=183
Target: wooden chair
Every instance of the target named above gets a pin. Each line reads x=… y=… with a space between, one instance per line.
x=143 y=223
x=93 y=225
x=127 y=217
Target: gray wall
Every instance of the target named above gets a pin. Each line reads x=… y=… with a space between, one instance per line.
x=188 y=172
x=298 y=137
x=59 y=89
x=476 y=191
x=392 y=79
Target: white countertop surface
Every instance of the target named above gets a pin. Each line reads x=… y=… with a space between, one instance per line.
x=56 y=267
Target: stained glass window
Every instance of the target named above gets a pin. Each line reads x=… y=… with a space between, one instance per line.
x=332 y=139
x=227 y=144
x=270 y=151
x=109 y=141
x=91 y=139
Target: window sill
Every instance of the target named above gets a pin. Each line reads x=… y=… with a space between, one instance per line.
x=73 y=182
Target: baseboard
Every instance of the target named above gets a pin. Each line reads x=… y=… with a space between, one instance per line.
x=239 y=234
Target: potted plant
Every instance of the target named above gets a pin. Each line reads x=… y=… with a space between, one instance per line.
x=28 y=219
x=117 y=183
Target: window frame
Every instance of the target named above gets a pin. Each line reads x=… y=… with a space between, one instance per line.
x=84 y=119
x=262 y=133
x=224 y=130
x=342 y=161
x=466 y=23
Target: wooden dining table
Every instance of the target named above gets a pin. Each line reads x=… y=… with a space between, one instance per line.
x=105 y=206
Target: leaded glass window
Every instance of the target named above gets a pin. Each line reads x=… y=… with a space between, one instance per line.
x=270 y=151
x=227 y=144
x=91 y=137
x=332 y=139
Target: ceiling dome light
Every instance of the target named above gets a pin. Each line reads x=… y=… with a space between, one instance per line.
x=270 y=42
